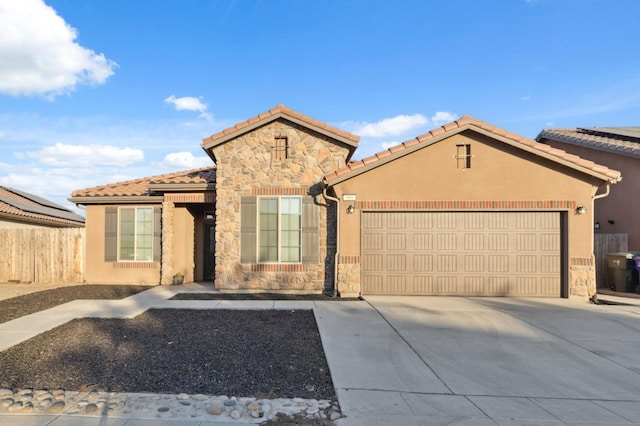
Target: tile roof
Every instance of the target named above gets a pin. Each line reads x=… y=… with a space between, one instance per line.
x=279 y=111
x=140 y=187
x=356 y=167
x=618 y=140
x=21 y=206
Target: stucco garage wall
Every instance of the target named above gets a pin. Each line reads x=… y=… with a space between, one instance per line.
x=501 y=178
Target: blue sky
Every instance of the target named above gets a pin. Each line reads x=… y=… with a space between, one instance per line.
x=93 y=92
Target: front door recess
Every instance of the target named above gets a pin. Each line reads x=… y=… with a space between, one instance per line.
x=209 y=251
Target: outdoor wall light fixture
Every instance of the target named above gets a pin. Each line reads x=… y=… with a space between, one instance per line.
x=596 y=225
x=351 y=209
x=581 y=210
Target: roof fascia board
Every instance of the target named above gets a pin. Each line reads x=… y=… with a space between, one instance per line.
x=61 y=223
x=122 y=199
x=456 y=131
x=269 y=119
x=599 y=146
x=545 y=155
x=398 y=155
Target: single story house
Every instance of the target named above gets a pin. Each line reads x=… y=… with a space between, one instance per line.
x=466 y=209
x=619 y=148
x=21 y=210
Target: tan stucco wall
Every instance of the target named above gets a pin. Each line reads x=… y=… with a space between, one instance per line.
x=183 y=243
x=245 y=168
x=8 y=224
x=623 y=203
x=99 y=271
x=498 y=173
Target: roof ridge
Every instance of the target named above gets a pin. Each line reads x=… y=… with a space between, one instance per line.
x=282 y=109
x=139 y=180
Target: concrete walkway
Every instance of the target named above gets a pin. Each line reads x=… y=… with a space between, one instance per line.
x=430 y=360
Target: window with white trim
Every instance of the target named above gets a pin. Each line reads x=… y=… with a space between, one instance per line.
x=279 y=229
x=135 y=232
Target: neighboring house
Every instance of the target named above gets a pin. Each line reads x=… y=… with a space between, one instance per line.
x=21 y=210
x=466 y=209
x=619 y=148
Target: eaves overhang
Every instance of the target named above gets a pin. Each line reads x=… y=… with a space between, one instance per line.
x=181 y=187
x=118 y=200
x=406 y=148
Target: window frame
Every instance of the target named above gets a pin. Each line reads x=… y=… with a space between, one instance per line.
x=136 y=235
x=463 y=156
x=280 y=248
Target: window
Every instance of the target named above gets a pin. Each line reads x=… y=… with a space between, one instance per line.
x=280 y=227
x=135 y=232
x=463 y=156
x=281 y=148
x=283 y=229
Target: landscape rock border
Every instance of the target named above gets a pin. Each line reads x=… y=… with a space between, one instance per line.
x=182 y=406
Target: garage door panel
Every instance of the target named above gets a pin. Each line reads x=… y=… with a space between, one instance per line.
x=475 y=253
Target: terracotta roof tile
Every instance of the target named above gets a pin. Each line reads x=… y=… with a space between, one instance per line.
x=282 y=109
x=140 y=187
x=20 y=206
x=467 y=121
x=617 y=140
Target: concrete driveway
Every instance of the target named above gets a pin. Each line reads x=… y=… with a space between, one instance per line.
x=483 y=361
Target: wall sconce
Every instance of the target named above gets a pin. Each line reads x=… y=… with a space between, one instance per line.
x=351 y=209
x=596 y=225
x=581 y=210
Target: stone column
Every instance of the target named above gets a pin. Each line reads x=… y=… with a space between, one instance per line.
x=166 y=267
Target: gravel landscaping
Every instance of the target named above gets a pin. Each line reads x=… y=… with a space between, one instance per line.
x=266 y=354
x=31 y=303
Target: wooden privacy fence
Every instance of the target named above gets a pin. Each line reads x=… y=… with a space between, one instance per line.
x=603 y=244
x=46 y=255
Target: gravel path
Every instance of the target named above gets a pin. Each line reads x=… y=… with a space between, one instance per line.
x=267 y=354
x=31 y=303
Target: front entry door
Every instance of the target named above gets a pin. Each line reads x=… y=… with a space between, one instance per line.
x=209 y=251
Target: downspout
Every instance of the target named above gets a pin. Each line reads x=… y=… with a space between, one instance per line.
x=335 y=260
x=594 y=298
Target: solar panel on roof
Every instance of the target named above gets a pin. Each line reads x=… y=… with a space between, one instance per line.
x=59 y=212
x=36 y=199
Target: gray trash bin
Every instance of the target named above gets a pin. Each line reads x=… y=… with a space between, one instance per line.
x=622 y=274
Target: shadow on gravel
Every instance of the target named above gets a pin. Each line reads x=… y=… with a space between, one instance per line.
x=266 y=354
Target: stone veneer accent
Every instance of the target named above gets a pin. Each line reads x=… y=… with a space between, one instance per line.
x=349 y=276
x=245 y=166
x=166 y=267
x=582 y=276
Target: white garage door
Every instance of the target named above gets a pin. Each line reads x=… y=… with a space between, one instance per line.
x=454 y=253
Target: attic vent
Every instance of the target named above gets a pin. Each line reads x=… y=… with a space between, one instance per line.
x=280 y=148
x=463 y=156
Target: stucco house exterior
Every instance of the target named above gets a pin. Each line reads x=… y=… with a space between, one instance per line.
x=466 y=209
x=619 y=148
x=22 y=210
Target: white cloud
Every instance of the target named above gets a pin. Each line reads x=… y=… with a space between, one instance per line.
x=185 y=160
x=387 y=145
x=86 y=155
x=189 y=103
x=443 y=117
x=38 y=54
x=391 y=126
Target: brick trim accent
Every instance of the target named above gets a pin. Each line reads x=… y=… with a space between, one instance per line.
x=279 y=191
x=194 y=197
x=581 y=261
x=136 y=265
x=349 y=259
x=277 y=267
x=466 y=205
